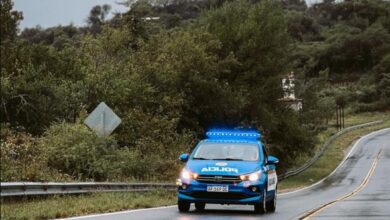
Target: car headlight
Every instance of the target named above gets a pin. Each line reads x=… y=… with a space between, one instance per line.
x=252 y=176
x=187 y=175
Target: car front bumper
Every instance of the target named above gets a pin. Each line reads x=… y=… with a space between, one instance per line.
x=245 y=192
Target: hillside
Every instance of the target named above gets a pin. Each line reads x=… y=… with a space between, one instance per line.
x=199 y=64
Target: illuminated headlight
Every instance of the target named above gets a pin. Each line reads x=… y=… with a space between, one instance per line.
x=254 y=176
x=187 y=175
x=251 y=177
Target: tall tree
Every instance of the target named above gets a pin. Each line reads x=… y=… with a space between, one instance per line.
x=97 y=17
x=9 y=20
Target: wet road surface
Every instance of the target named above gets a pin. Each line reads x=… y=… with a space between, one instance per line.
x=372 y=202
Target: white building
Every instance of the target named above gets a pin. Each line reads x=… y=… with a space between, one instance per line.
x=288 y=85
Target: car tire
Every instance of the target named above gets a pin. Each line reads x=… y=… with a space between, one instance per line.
x=261 y=207
x=271 y=205
x=200 y=206
x=183 y=206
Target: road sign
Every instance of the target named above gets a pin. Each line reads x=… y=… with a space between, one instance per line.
x=102 y=120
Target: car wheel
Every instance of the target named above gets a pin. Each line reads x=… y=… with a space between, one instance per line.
x=200 y=206
x=271 y=205
x=262 y=206
x=183 y=206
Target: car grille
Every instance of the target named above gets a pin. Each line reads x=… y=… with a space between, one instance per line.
x=218 y=195
x=218 y=179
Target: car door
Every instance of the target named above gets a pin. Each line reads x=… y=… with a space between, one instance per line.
x=270 y=171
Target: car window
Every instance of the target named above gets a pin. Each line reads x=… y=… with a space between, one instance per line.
x=227 y=151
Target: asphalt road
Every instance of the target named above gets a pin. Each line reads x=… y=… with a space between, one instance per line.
x=372 y=202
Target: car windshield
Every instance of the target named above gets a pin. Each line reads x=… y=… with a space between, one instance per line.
x=227 y=151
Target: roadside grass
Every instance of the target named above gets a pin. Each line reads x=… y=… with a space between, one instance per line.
x=364 y=118
x=335 y=152
x=75 y=205
x=350 y=120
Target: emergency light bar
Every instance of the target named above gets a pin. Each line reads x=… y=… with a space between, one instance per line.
x=233 y=134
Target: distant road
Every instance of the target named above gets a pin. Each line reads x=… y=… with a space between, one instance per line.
x=371 y=201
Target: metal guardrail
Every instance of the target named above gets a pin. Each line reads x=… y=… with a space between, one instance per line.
x=51 y=188
x=328 y=142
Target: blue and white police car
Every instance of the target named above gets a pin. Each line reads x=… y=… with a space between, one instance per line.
x=228 y=167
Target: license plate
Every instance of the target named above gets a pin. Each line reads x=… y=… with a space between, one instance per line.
x=217 y=188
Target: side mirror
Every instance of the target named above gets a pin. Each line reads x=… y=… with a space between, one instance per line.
x=184 y=157
x=272 y=160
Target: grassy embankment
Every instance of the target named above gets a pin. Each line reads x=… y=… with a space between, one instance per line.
x=336 y=151
x=65 y=206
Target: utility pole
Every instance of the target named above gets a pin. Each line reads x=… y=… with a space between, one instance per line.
x=340 y=103
x=342 y=110
x=337 y=117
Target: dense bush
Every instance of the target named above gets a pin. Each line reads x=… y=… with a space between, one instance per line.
x=21 y=159
x=71 y=152
x=78 y=152
x=75 y=150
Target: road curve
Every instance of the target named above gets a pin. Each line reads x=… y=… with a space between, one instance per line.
x=371 y=202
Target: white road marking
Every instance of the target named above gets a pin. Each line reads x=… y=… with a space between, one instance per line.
x=308 y=215
x=118 y=213
x=342 y=162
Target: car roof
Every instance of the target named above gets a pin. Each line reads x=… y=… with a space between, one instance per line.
x=230 y=141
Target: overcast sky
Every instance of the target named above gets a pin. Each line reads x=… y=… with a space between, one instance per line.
x=49 y=13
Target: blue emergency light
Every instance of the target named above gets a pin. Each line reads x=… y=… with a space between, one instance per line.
x=237 y=134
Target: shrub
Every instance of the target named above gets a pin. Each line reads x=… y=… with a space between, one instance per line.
x=76 y=151
x=21 y=159
x=79 y=152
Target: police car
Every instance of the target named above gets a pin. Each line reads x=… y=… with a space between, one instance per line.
x=228 y=167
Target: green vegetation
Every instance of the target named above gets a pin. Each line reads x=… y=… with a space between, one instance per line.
x=75 y=205
x=335 y=153
x=350 y=120
x=202 y=64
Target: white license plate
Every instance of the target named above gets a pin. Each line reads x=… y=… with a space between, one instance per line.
x=217 y=188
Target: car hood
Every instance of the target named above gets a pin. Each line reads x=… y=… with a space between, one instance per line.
x=222 y=167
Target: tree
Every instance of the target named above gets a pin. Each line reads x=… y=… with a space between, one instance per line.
x=255 y=35
x=384 y=88
x=9 y=20
x=97 y=17
x=58 y=37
